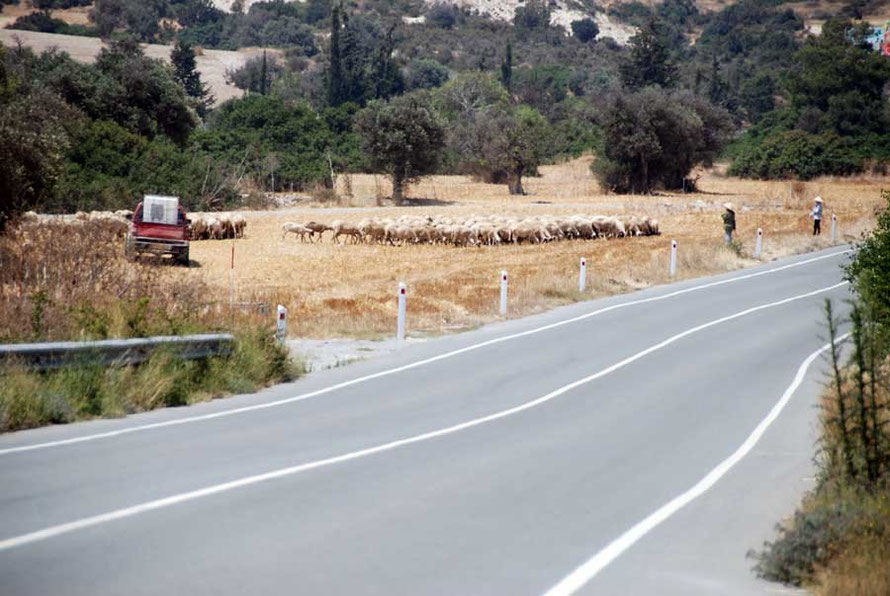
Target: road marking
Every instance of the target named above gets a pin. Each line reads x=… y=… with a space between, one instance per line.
x=590 y=568
x=392 y=371
x=53 y=531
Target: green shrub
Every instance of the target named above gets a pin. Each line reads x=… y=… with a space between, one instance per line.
x=813 y=538
x=797 y=154
x=29 y=399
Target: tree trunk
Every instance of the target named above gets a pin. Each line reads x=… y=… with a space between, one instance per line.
x=514 y=182
x=398 y=187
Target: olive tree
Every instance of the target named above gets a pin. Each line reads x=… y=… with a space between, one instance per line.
x=402 y=137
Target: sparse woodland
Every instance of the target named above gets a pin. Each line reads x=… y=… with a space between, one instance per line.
x=505 y=97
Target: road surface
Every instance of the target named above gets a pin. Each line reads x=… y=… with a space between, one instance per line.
x=634 y=445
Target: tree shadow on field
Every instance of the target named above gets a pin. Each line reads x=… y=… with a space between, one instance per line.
x=426 y=203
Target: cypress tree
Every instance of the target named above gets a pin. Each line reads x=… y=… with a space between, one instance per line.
x=264 y=75
x=182 y=56
x=335 y=68
x=388 y=80
x=507 y=67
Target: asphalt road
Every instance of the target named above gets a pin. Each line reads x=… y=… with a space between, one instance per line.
x=502 y=461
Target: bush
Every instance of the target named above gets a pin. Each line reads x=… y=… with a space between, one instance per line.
x=442 y=15
x=796 y=154
x=814 y=537
x=426 y=74
x=29 y=399
x=585 y=30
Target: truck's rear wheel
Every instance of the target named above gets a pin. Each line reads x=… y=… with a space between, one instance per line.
x=183 y=257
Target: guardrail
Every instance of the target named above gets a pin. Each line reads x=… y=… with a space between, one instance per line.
x=114 y=352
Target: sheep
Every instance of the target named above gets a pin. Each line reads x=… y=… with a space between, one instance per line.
x=401 y=233
x=215 y=228
x=371 y=230
x=240 y=224
x=349 y=230
x=317 y=228
x=296 y=229
x=463 y=236
x=525 y=232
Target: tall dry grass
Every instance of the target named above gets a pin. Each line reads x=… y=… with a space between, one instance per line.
x=72 y=282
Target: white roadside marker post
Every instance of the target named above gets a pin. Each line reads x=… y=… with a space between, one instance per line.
x=400 y=326
x=673 y=258
x=232 y=281
x=281 y=334
x=834 y=228
x=504 y=293
x=758 y=247
x=582 y=275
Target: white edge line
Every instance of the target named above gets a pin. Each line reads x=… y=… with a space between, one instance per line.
x=391 y=371
x=590 y=568
x=50 y=532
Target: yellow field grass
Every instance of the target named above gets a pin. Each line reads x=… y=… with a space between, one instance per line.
x=349 y=290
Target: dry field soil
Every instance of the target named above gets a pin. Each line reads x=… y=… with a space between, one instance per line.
x=349 y=290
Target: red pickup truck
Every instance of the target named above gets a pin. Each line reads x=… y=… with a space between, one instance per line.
x=159 y=226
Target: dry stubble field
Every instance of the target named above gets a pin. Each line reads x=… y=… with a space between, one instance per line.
x=349 y=290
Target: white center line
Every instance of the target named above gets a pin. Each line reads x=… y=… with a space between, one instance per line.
x=412 y=365
x=53 y=531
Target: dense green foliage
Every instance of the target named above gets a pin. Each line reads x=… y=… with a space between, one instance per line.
x=811 y=106
x=835 y=117
x=274 y=139
x=654 y=138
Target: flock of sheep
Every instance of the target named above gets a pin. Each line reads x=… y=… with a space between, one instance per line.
x=114 y=222
x=204 y=226
x=217 y=225
x=475 y=230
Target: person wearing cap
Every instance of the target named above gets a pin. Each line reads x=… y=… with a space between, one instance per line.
x=816 y=214
x=729 y=221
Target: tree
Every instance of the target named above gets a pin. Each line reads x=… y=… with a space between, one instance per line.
x=654 y=138
x=534 y=15
x=185 y=70
x=402 y=137
x=139 y=93
x=649 y=62
x=840 y=84
x=140 y=18
x=33 y=141
x=717 y=87
x=244 y=132
x=426 y=74
x=507 y=67
x=264 y=75
x=512 y=141
x=757 y=96
x=336 y=94
x=442 y=15
x=255 y=71
x=585 y=30
x=387 y=78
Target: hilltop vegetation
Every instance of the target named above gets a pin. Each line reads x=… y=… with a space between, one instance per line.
x=503 y=96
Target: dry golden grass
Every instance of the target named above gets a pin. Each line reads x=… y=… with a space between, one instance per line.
x=350 y=290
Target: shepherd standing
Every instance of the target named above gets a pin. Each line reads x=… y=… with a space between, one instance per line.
x=816 y=214
x=729 y=221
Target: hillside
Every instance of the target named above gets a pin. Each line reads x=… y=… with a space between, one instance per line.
x=212 y=64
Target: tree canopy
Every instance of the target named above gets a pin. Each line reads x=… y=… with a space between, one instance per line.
x=403 y=137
